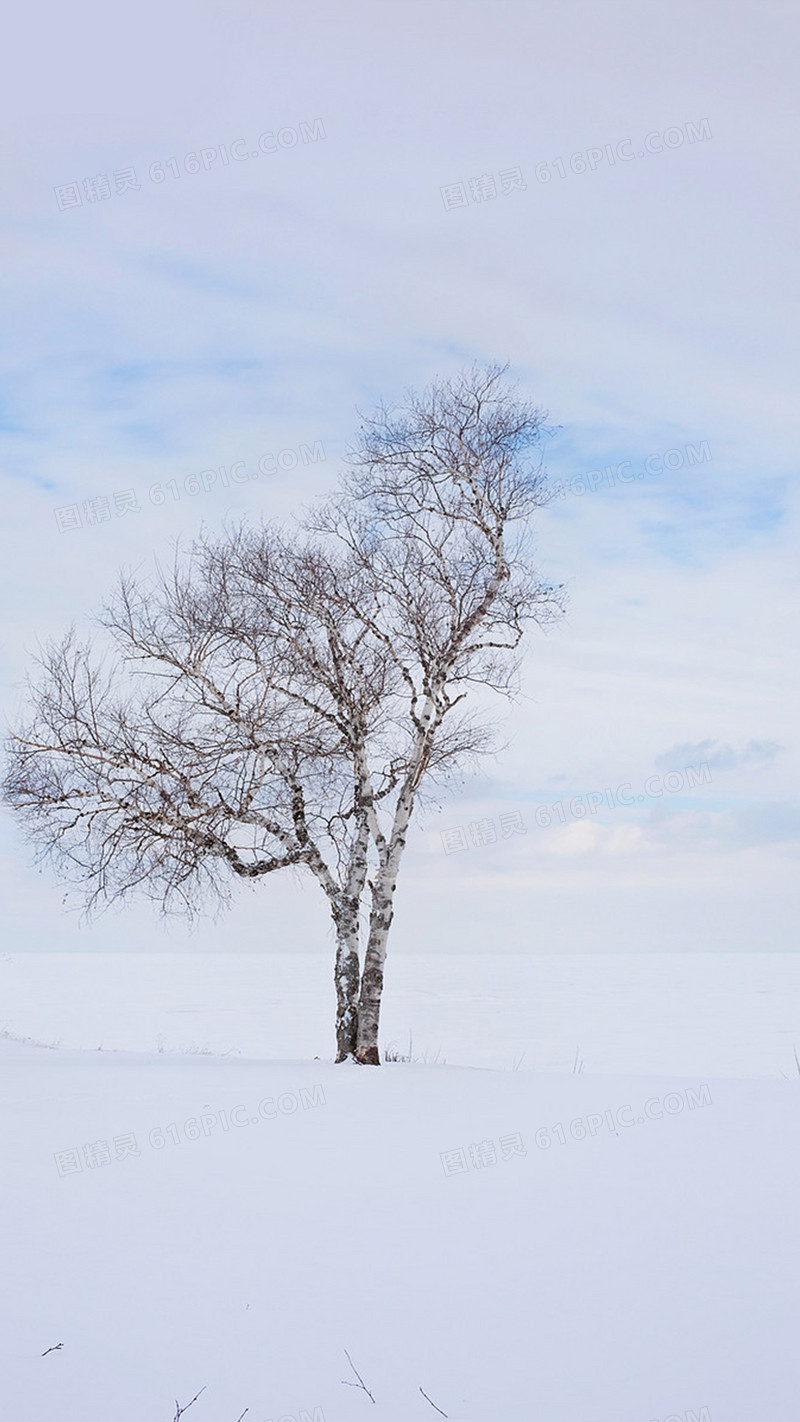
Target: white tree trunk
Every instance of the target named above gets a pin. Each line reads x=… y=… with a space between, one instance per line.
x=345 y=907
x=380 y=921
x=347 y=972
x=369 y=1001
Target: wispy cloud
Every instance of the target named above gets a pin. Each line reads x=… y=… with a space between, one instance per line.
x=775 y=824
x=718 y=754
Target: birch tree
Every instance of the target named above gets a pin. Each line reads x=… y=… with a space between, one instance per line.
x=283 y=703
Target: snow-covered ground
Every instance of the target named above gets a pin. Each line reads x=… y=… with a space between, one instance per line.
x=616 y=1245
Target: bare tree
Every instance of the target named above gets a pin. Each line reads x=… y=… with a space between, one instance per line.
x=276 y=703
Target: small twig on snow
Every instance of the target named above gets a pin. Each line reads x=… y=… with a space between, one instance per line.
x=242 y=1414
x=360 y=1382
x=179 y=1411
x=433 y=1404
x=54 y=1349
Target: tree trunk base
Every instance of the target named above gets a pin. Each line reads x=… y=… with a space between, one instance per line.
x=368 y=1056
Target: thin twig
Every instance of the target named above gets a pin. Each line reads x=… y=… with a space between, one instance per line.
x=179 y=1411
x=433 y=1404
x=360 y=1383
x=54 y=1349
x=242 y=1414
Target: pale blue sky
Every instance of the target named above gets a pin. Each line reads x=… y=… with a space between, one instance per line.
x=649 y=303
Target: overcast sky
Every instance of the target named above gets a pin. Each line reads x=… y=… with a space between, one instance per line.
x=229 y=226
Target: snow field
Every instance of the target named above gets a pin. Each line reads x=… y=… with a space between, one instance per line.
x=569 y=1247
